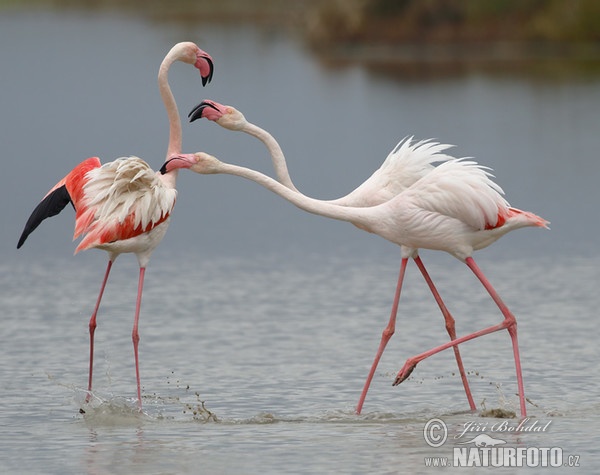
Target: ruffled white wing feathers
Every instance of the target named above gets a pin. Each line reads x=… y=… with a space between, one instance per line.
x=124 y=187
x=407 y=163
x=461 y=188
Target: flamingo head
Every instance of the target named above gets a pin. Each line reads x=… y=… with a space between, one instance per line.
x=189 y=52
x=198 y=162
x=226 y=116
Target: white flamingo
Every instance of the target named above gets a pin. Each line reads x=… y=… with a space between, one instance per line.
x=455 y=208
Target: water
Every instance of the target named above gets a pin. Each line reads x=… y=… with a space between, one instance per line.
x=268 y=315
x=278 y=355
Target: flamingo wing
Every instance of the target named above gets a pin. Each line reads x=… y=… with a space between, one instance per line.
x=51 y=205
x=407 y=163
x=121 y=200
x=464 y=190
x=68 y=190
x=115 y=201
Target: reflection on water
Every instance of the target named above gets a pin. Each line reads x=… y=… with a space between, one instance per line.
x=268 y=315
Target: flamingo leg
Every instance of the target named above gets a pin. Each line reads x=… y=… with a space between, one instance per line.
x=385 y=336
x=511 y=326
x=92 y=327
x=450 y=328
x=509 y=323
x=135 y=336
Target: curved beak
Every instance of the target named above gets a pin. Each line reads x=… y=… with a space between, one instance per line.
x=198 y=111
x=184 y=160
x=205 y=65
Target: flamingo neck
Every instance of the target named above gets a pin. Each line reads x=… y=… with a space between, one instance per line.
x=358 y=216
x=171 y=107
x=277 y=156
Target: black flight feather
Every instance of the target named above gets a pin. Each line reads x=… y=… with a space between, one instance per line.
x=50 y=206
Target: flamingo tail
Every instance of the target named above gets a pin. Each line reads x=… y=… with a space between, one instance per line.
x=529 y=219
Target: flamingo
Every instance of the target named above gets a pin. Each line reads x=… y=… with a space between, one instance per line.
x=456 y=208
x=123 y=206
x=405 y=164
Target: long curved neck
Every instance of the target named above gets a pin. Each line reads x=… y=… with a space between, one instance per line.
x=360 y=217
x=171 y=107
x=277 y=156
x=280 y=164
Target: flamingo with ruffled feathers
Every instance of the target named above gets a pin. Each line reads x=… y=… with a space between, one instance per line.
x=407 y=163
x=456 y=208
x=124 y=206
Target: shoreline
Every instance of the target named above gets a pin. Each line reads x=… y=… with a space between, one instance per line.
x=383 y=34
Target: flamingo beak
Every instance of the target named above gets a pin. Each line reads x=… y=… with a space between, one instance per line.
x=175 y=162
x=204 y=110
x=205 y=65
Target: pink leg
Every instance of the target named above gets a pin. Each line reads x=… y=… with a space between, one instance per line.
x=92 y=326
x=511 y=323
x=385 y=336
x=450 y=328
x=135 y=336
x=508 y=323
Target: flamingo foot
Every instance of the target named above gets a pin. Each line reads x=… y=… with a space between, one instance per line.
x=405 y=372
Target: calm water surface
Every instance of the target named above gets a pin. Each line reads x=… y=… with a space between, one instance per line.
x=268 y=316
x=278 y=355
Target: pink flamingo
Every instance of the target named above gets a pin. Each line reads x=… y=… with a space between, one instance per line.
x=123 y=206
x=455 y=208
x=405 y=165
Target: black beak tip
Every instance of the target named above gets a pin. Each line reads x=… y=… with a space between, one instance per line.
x=196 y=112
x=211 y=67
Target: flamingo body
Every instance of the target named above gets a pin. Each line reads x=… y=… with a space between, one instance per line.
x=121 y=202
x=121 y=206
x=455 y=208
